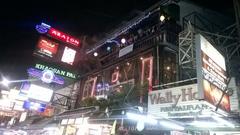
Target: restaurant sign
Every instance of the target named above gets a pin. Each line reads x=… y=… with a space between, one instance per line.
x=177 y=102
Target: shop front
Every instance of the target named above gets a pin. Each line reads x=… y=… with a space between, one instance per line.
x=183 y=105
x=76 y=122
x=80 y=126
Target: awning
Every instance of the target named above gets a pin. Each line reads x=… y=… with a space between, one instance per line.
x=77 y=113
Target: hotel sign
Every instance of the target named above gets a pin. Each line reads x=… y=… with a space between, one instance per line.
x=45 y=28
x=56 y=71
x=63 y=37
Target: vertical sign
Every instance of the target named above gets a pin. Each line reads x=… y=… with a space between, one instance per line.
x=68 y=55
x=211 y=73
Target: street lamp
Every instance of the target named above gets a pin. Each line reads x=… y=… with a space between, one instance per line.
x=95 y=54
x=123 y=40
x=162 y=18
x=5 y=82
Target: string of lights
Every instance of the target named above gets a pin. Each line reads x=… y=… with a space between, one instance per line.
x=122 y=29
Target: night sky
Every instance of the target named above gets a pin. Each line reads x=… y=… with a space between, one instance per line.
x=18 y=36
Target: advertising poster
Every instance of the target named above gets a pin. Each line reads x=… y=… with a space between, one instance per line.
x=211 y=73
x=68 y=55
x=46 y=47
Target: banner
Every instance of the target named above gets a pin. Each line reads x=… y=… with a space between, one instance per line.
x=211 y=73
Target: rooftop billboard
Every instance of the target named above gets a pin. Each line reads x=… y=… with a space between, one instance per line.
x=211 y=73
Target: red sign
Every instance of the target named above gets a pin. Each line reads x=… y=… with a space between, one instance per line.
x=63 y=37
x=48 y=112
x=47 y=47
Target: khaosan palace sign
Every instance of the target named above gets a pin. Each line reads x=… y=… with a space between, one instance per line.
x=47 y=29
x=56 y=71
x=177 y=102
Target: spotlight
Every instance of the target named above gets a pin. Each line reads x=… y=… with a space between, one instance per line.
x=108 y=48
x=5 y=82
x=123 y=40
x=162 y=18
x=141 y=58
x=95 y=54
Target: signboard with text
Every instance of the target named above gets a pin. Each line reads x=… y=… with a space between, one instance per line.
x=56 y=71
x=177 y=102
x=47 y=29
x=56 y=46
x=63 y=37
x=211 y=73
x=46 y=47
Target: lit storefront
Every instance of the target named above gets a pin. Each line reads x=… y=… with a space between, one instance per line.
x=76 y=122
x=201 y=106
x=80 y=126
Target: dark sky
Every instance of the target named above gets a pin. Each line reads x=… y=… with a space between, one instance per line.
x=18 y=36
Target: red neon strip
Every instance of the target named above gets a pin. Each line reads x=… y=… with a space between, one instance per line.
x=115 y=76
x=150 y=59
x=63 y=37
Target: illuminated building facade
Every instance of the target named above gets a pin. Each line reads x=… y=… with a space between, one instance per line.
x=140 y=58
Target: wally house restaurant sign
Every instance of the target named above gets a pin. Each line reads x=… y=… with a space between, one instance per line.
x=176 y=102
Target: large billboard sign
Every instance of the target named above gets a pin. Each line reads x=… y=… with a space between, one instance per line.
x=178 y=102
x=39 y=93
x=211 y=73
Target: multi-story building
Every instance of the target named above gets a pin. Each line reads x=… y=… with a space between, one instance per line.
x=142 y=57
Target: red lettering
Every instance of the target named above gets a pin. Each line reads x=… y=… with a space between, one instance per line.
x=76 y=42
x=67 y=40
x=54 y=32
x=63 y=37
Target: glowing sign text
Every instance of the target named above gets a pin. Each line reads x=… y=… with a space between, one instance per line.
x=63 y=37
x=47 y=47
x=56 y=71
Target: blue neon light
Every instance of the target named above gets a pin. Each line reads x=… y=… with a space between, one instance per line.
x=34 y=106
x=39 y=74
x=43 y=28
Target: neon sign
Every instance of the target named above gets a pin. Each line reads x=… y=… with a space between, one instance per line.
x=47 y=29
x=45 y=76
x=63 y=37
x=47 y=47
x=150 y=72
x=43 y=28
x=39 y=107
x=56 y=71
x=115 y=77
